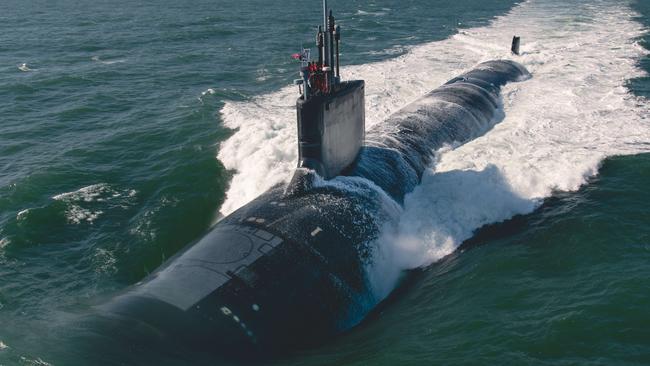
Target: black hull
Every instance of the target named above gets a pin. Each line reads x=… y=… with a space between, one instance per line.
x=289 y=268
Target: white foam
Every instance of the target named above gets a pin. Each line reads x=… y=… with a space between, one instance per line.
x=88 y=194
x=4 y=242
x=107 y=62
x=76 y=214
x=208 y=91
x=373 y=13
x=77 y=202
x=263 y=74
x=104 y=261
x=22 y=214
x=3 y=346
x=558 y=128
x=34 y=362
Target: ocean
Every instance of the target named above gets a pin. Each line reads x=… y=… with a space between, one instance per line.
x=128 y=128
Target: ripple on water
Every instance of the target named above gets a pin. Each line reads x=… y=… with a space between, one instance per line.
x=83 y=204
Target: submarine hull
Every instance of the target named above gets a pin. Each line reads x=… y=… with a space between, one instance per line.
x=289 y=268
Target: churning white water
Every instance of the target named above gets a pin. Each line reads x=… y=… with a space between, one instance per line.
x=558 y=126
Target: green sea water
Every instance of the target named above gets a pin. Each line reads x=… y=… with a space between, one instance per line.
x=111 y=120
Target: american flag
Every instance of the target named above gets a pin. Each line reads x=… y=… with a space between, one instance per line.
x=302 y=56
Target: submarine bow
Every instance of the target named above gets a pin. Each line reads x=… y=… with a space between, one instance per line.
x=289 y=267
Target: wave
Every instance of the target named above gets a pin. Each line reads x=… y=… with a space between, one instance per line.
x=374 y=13
x=107 y=62
x=558 y=126
x=24 y=68
x=77 y=208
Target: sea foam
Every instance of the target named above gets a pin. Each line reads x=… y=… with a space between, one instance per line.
x=558 y=126
x=82 y=204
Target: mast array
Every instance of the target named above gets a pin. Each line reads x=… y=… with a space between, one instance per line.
x=322 y=76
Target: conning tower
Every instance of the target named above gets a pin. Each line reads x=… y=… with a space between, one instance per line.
x=331 y=113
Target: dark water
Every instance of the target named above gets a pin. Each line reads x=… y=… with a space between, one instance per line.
x=107 y=156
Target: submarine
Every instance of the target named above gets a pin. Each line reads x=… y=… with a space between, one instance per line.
x=290 y=268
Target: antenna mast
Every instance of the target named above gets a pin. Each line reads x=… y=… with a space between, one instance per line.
x=321 y=77
x=327 y=39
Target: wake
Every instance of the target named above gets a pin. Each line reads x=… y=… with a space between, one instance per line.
x=558 y=126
